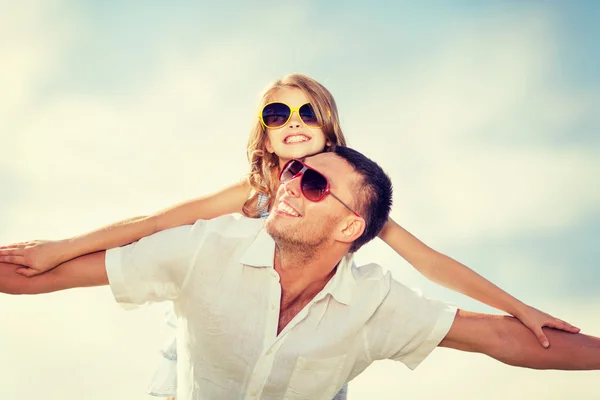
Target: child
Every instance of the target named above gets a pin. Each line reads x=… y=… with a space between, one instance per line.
x=298 y=117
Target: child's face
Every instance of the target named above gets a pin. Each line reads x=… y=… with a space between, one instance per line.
x=294 y=139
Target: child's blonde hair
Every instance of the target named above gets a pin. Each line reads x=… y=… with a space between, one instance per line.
x=264 y=166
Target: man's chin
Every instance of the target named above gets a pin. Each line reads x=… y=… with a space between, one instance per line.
x=277 y=225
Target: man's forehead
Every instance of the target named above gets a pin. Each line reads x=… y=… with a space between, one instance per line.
x=335 y=168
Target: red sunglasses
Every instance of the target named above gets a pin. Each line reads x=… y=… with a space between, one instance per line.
x=314 y=185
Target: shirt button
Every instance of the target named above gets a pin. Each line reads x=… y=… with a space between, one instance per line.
x=253 y=393
x=269 y=352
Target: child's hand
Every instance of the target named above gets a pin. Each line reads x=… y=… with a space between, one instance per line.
x=535 y=319
x=36 y=257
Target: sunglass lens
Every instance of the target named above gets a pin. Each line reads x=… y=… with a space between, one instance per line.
x=275 y=115
x=290 y=170
x=313 y=185
x=308 y=115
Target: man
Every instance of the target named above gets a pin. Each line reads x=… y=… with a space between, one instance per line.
x=281 y=311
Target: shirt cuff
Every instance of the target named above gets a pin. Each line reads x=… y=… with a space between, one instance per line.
x=114 y=271
x=437 y=334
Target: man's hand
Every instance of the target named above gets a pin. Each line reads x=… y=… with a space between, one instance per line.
x=84 y=271
x=13 y=283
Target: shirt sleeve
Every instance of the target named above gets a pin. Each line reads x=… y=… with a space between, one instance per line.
x=156 y=267
x=407 y=326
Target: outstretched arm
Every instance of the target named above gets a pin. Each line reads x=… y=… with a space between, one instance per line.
x=507 y=340
x=84 y=271
x=151 y=269
x=449 y=273
x=41 y=256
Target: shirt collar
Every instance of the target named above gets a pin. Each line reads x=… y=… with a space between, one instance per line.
x=340 y=285
x=261 y=254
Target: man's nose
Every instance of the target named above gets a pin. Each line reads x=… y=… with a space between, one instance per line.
x=292 y=187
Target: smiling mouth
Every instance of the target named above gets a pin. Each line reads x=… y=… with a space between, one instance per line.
x=287 y=210
x=296 y=139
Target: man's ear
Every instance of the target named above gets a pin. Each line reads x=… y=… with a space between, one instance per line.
x=351 y=229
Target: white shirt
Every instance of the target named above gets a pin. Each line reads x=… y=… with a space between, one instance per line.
x=226 y=294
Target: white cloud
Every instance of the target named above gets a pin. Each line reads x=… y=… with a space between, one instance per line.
x=468 y=134
x=183 y=136
x=33 y=37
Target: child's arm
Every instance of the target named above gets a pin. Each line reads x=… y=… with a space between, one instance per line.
x=41 y=256
x=449 y=273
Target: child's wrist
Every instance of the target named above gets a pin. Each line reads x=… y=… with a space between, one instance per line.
x=517 y=308
x=66 y=249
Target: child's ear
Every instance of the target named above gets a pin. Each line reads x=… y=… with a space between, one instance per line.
x=268 y=146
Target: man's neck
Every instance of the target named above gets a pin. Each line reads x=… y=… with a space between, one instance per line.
x=302 y=276
x=304 y=273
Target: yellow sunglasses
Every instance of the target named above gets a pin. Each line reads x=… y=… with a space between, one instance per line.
x=277 y=114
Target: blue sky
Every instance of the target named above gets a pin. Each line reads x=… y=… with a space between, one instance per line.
x=485 y=115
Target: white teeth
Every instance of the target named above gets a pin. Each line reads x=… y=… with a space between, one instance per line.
x=296 y=139
x=287 y=209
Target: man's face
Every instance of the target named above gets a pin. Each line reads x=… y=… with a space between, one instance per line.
x=297 y=221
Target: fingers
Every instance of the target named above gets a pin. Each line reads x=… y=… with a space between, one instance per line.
x=12 y=255
x=11 y=251
x=12 y=259
x=542 y=338
x=19 y=245
x=28 y=272
x=562 y=325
